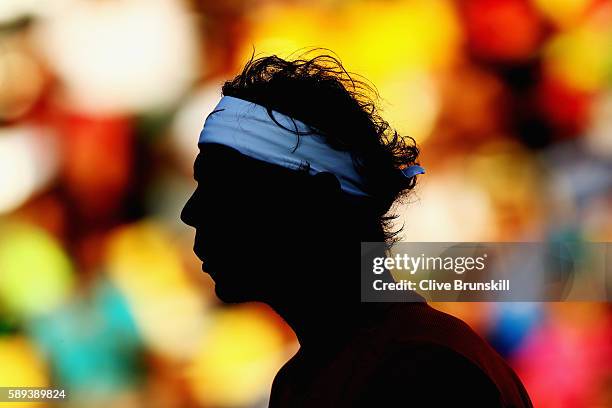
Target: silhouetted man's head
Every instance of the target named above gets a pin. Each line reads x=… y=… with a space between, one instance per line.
x=263 y=230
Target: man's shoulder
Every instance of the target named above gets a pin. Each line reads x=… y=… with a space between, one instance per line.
x=432 y=374
x=421 y=328
x=420 y=341
x=410 y=324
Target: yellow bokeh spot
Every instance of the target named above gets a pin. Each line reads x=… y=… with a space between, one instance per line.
x=21 y=367
x=410 y=103
x=563 y=12
x=401 y=36
x=35 y=272
x=582 y=58
x=143 y=257
x=239 y=356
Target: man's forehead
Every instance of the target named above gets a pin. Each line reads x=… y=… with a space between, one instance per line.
x=216 y=156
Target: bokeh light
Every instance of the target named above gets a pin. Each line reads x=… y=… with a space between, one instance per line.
x=36 y=272
x=93 y=345
x=563 y=12
x=239 y=356
x=22 y=366
x=30 y=152
x=126 y=55
x=145 y=264
x=21 y=78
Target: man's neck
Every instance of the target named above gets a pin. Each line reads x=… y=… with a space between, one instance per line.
x=328 y=324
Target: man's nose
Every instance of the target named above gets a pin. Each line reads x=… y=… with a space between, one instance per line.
x=187 y=214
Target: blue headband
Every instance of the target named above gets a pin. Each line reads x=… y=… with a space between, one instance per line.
x=248 y=128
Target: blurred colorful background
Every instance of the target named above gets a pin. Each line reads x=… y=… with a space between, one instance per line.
x=101 y=104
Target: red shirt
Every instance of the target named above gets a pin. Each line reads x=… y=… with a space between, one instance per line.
x=414 y=356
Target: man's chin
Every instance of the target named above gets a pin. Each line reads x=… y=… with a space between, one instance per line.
x=228 y=294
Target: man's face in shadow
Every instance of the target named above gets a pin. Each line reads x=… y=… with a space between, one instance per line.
x=254 y=223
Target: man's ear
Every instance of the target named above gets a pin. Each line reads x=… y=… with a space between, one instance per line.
x=326 y=182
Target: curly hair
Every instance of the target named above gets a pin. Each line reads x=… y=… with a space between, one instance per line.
x=320 y=92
